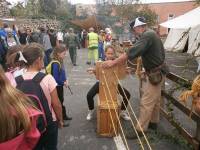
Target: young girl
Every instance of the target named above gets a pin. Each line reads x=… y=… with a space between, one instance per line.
x=59 y=75
x=15 y=67
x=18 y=118
x=109 y=55
x=33 y=56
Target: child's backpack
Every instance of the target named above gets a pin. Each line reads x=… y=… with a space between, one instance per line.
x=25 y=141
x=49 y=66
x=34 y=91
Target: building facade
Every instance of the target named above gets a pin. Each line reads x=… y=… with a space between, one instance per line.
x=170 y=10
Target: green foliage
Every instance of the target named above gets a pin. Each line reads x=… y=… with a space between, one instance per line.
x=18 y=10
x=198 y=1
x=130 y=12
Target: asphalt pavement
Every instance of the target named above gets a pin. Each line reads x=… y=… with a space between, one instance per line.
x=81 y=134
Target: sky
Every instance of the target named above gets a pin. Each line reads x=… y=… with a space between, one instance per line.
x=93 y=1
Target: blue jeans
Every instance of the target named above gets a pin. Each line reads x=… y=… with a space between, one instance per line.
x=49 y=139
x=47 y=58
x=101 y=50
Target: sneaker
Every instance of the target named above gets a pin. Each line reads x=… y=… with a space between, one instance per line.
x=153 y=126
x=88 y=63
x=66 y=117
x=89 y=115
x=65 y=123
x=124 y=115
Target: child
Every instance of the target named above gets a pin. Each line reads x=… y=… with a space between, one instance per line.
x=59 y=75
x=18 y=118
x=33 y=55
x=109 y=55
x=15 y=67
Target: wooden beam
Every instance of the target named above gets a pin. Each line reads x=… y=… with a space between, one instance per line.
x=181 y=130
x=179 y=80
x=180 y=106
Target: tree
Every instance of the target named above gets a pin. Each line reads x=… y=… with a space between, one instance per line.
x=123 y=11
x=18 y=10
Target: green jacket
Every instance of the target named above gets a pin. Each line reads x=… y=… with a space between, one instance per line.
x=150 y=48
x=71 y=40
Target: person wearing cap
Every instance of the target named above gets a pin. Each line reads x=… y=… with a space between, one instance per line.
x=149 y=46
x=92 y=46
x=72 y=42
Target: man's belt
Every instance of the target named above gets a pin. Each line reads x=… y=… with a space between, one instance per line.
x=156 y=68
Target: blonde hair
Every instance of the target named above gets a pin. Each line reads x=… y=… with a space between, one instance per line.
x=57 y=50
x=14 y=117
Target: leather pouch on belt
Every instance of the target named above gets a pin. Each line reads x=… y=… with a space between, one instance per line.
x=155 y=77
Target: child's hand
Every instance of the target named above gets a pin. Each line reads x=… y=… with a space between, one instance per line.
x=66 y=83
x=60 y=124
x=91 y=70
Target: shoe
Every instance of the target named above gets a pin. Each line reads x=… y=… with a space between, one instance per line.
x=88 y=63
x=133 y=135
x=153 y=126
x=65 y=123
x=67 y=118
x=75 y=64
x=90 y=114
x=124 y=115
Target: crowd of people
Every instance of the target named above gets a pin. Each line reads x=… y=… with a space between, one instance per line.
x=33 y=99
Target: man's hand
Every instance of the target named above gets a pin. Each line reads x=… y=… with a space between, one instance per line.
x=108 y=64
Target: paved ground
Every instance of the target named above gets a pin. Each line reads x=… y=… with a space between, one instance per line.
x=81 y=135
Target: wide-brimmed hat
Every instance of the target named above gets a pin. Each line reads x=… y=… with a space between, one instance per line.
x=139 y=21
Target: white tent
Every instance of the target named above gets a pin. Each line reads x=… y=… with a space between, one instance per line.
x=183 y=29
x=188 y=20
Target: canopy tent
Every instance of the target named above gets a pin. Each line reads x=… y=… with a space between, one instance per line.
x=87 y=23
x=188 y=20
x=184 y=29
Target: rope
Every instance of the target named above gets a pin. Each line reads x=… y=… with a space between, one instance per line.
x=135 y=116
x=115 y=110
x=110 y=113
x=138 y=67
x=131 y=119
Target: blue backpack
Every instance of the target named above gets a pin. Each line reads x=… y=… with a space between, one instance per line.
x=34 y=91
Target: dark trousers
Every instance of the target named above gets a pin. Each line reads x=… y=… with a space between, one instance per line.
x=61 y=98
x=73 y=54
x=49 y=139
x=47 y=56
x=95 y=90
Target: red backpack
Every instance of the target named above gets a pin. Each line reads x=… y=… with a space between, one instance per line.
x=25 y=141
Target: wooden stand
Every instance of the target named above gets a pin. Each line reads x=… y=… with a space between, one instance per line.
x=106 y=125
x=108 y=106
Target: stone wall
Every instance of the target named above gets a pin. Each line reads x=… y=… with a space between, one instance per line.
x=36 y=23
x=4 y=10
